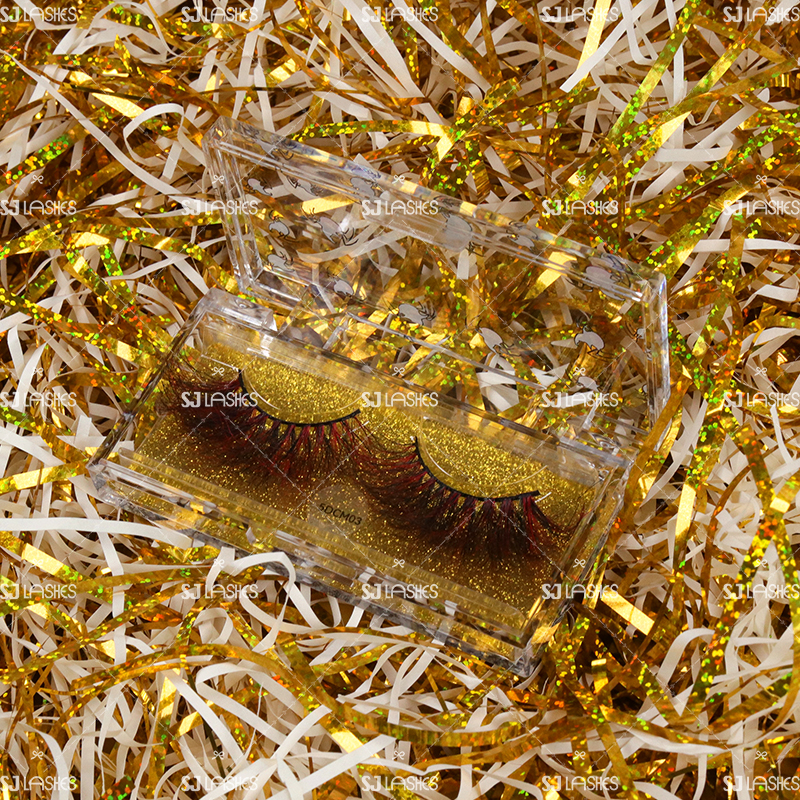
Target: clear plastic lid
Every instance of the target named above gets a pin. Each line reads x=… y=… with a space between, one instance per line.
x=442 y=294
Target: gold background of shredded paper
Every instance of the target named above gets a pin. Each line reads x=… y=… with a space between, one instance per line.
x=675 y=682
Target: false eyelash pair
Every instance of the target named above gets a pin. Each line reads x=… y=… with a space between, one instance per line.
x=395 y=478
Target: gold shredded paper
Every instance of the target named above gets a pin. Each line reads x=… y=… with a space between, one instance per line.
x=678 y=121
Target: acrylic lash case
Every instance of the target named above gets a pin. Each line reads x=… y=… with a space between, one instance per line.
x=430 y=408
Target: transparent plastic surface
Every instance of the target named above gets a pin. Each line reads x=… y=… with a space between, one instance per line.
x=415 y=505
x=430 y=408
x=512 y=320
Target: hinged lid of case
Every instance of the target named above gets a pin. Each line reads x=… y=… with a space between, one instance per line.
x=418 y=285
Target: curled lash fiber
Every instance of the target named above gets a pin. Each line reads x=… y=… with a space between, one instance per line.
x=420 y=503
x=245 y=436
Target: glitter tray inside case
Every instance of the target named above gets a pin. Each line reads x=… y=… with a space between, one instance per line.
x=432 y=410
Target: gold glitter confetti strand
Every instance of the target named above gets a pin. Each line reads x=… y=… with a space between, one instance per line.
x=566 y=669
x=670 y=256
x=376 y=98
x=528 y=111
x=41 y=239
x=628 y=612
x=581 y=181
x=167 y=701
x=724 y=62
x=120 y=383
x=39 y=559
x=624 y=720
x=92 y=183
x=725 y=375
x=466 y=123
x=714 y=172
x=689 y=364
x=125 y=312
x=456 y=41
x=772 y=530
x=538 y=32
x=42 y=607
x=592 y=41
x=42 y=157
x=774 y=517
x=165 y=243
x=648 y=462
x=11 y=674
x=149 y=78
x=350 y=663
x=719 y=309
x=729 y=32
x=719 y=68
x=313 y=695
x=37 y=477
x=418 y=127
x=656 y=72
x=493 y=67
x=637 y=677
x=28 y=423
x=765 y=699
x=243 y=628
x=310 y=694
x=150 y=663
x=85 y=332
x=100 y=586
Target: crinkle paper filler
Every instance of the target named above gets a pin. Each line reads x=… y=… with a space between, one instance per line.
x=665 y=132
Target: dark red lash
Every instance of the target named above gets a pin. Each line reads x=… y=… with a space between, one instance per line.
x=499 y=527
x=246 y=436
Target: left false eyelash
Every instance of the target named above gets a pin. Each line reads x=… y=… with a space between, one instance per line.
x=226 y=415
x=500 y=527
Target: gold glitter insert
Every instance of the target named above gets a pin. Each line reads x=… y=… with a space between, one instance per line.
x=335 y=514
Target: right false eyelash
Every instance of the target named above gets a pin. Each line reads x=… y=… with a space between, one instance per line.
x=245 y=436
x=497 y=527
